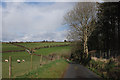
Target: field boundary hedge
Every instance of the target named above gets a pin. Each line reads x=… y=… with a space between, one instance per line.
x=36 y=48
x=13 y=51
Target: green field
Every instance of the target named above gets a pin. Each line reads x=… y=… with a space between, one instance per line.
x=9 y=47
x=54 y=69
x=40 y=44
x=56 y=50
x=22 y=68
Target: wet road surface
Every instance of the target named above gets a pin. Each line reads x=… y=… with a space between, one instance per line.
x=79 y=71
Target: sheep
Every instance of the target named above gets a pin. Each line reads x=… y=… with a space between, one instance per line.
x=18 y=61
x=6 y=60
x=23 y=60
x=68 y=60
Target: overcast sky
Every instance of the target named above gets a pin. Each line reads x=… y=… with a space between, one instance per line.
x=23 y=20
x=28 y=21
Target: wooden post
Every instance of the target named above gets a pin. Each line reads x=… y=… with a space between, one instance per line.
x=109 y=54
x=41 y=59
x=10 y=67
x=105 y=55
x=31 y=62
x=100 y=54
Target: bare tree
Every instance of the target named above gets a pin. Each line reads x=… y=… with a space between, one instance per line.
x=81 y=20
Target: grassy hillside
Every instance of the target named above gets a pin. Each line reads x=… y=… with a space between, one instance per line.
x=9 y=47
x=58 y=50
x=25 y=67
x=40 y=44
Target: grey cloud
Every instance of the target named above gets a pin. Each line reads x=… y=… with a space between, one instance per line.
x=23 y=21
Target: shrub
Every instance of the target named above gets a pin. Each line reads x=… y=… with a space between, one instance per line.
x=77 y=54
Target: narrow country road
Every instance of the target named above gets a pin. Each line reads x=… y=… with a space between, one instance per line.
x=79 y=71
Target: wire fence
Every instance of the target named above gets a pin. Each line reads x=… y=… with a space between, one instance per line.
x=22 y=64
x=105 y=54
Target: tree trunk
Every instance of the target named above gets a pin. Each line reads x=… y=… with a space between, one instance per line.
x=85 y=43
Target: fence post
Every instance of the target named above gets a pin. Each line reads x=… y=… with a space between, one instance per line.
x=10 y=67
x=105 y=55
x=109 y=54
x=31 y=62
x=100 y=54
x=40 y=59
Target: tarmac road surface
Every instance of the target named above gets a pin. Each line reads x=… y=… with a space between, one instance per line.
x=81 y=72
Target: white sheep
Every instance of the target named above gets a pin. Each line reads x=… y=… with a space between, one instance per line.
x=18 y=61
x=6 y=60
x=23 y=60
x=68 y=60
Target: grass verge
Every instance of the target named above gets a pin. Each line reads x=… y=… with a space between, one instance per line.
x=54 y=69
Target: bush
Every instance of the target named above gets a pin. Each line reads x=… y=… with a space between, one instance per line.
x=107 y=70
x=77 y=54
x=110 y=65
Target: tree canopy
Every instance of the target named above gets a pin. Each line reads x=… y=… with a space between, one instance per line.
x=81 y=20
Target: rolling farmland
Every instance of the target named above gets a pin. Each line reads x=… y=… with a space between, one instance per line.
x=42 y=44
x=9 y=47
x=19 y=69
